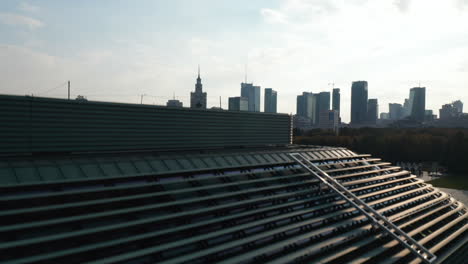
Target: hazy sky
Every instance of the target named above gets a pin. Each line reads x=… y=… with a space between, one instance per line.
x=117 y=50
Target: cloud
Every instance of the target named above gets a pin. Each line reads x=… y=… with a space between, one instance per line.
x=461 y=4
x=19 y=20
x=29 y=8
x=402 y=5
x=273 y=16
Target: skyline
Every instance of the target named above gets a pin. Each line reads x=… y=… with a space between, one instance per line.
x=118 y=50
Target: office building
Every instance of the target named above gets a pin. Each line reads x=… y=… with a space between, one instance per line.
x=395 y=111
x=174 y=103
x=336 y=100
x=417 y=103
x=384 y=116
x=198 y=98
x=329 y=119
x=447 y=111
x=406 y=109
x=252 y=93
x=238 y=104
x=305 y=105
x=302 y=122
x=429 y=116
x=322 y=105
x=359 y=103
x=458 y=105
x=372 y=111
x=270 y=100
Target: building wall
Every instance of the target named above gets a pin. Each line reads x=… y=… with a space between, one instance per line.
x=32 y=124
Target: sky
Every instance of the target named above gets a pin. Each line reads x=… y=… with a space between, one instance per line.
x=118 y=50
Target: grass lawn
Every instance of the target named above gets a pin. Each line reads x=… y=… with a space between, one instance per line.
x=459 y=182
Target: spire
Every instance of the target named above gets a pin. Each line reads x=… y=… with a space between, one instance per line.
x=198 y=85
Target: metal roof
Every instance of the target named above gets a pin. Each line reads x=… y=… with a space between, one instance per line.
x=228 y=206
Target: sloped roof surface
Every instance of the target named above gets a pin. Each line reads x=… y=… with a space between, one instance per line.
x=247 y=206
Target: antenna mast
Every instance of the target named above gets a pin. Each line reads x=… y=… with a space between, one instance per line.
x=245 y=72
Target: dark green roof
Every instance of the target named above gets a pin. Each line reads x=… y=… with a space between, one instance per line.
x=231 y=206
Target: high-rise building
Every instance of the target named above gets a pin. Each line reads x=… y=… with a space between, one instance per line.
x=336 y=100
x=301 y=102
x=395 y=111
x=455 y=109
x=406 y=109
x=238 y=104
x=358 y=102
x=329 y=119
x=429 y=116
x=384 y=116
x=174 y=103
x=446 y=112
x=372 y=111
x=302 y=122
x=252 y=93
x=198 y=98
x=322 y=105
x=305 y=105
x=270 y=101
x=458 y=105
x=417 y=103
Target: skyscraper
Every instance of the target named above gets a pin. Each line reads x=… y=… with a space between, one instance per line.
x=322 y=105
x=252 y=93
x=372 y=111
x=238 y=104
x=417 y=103
x=305 y=105
x=270 y=100
x=458 y=105
x=198 y=98
x=446 y=112
x=336 y=100
x=395 y=111
x=406 y=109
x=455 y=109
x=358 y=102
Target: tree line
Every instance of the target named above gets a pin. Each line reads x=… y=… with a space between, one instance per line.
x=448 y=146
